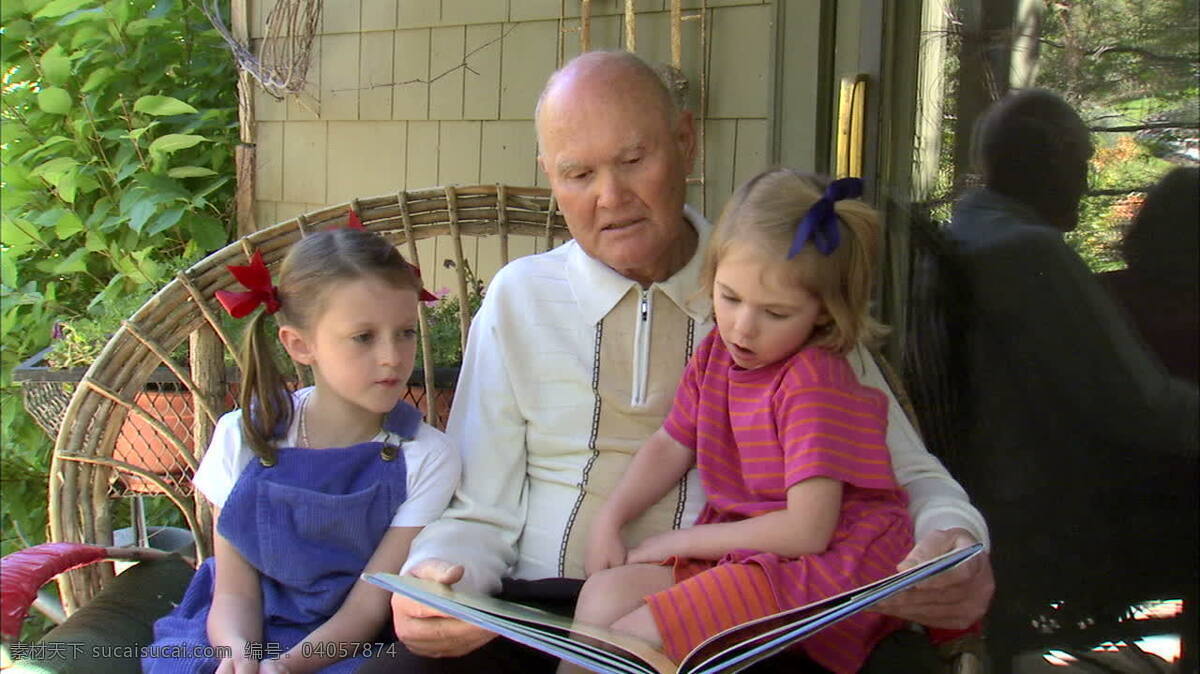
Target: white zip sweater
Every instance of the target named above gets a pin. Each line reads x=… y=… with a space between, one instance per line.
x=569 y=367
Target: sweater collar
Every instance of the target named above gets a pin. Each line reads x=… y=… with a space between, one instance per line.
x=998 y=211
x=598 y=288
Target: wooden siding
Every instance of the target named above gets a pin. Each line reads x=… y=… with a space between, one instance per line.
x=391 y=106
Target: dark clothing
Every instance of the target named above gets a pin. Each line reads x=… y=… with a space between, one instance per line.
x=1081 y=449
x=1167 y=319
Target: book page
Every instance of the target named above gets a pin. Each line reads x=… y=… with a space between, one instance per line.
x=527 y=624
x=757 y=639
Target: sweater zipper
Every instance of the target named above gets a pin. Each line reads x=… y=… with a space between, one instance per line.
x=641 y=350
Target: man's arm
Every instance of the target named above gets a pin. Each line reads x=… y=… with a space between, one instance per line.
x=1084 y=353
x=480 y=528
x=943 y=520
x=473 y=544
x=936 y=500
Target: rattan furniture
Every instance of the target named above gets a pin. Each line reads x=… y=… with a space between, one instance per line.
x=184 y=314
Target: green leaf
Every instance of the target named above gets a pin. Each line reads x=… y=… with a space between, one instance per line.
x=139 y=27
x=60 y=7
x=17 y=30
x=32 y=155
x=15 y=177
x=93 y=14
x=86 y=34
x=166 y=220
x=134 y=134
x=97 y=79
x=68 y=225
x=160 y=106
x=56 y=65
x=67 y=186
x=141 y=212
x=55 y=169
x=163 y=187
x=120 y=10
x=190 y=172
x=95 y=241
x=111 y=292
x=8 y=270
x=207 y=233
x=11 y=8
x=75 y=262
x=22 y=299
x=54 y=100
x=175 y=141
x=18 y=235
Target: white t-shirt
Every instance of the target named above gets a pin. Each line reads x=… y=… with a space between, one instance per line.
x=431 y=461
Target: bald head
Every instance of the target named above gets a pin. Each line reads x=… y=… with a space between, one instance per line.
x=1033 y=147
x=603 y=74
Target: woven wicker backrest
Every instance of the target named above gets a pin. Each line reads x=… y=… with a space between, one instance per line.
x=185 y=317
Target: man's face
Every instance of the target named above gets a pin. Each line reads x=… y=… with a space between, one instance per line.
x=618 y=169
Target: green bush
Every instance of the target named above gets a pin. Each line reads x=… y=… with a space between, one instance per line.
x=117 y=138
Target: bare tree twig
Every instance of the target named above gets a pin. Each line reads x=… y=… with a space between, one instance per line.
x=1118 y=191
x=1126 y=49
x=1146 y=126
x=461 y=66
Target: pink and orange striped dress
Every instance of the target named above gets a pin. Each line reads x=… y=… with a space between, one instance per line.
x=756 y=433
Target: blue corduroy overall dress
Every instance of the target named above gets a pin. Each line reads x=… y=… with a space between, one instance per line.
x=308 y=524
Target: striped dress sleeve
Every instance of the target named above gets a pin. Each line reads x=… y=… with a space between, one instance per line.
x=681 y=421
x=830 y=425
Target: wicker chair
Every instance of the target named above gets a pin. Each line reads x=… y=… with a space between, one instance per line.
x=184 y=316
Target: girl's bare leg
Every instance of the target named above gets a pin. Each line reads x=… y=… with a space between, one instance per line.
x=613 y=595
x=640 y=623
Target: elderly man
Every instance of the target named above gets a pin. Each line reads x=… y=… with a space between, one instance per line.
x=1074 y=423
x=573 y=361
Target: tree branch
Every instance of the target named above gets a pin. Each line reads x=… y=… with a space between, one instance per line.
x=1119 y=191
x=1126 y=49
x=1146 y=126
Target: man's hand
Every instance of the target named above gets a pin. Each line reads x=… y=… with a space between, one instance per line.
x=955 y=599
x=605 y=549
x=427 y=632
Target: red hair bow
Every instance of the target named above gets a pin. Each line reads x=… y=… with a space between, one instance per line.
x=355 y=222
x=257 y=280
x=422 y=294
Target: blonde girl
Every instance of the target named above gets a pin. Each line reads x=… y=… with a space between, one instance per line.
x=790 y=447
x=311 y=488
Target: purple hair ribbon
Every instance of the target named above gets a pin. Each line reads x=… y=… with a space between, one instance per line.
x=820 y=223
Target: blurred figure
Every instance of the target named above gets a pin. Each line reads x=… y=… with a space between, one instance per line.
x=1081 y=449
x=1161 y=288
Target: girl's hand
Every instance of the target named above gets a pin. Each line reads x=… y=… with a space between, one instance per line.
x=238 y=664
x=659 y=547
x=605 y=549
x=273 y=666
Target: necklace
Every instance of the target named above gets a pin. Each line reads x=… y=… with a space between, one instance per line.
x=303 y=422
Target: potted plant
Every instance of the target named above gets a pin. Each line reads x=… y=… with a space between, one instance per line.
x=445 y=336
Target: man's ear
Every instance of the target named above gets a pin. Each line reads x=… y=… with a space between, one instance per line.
x=295 y=344
x=541 y=162
x=685 y=135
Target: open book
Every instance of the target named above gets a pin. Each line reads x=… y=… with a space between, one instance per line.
x=730 y=651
